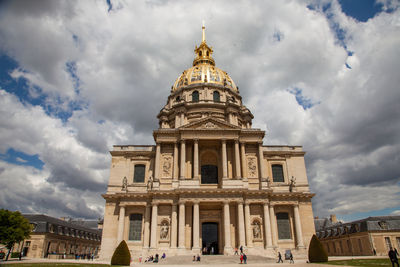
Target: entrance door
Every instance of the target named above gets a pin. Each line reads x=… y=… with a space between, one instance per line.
x=209 y=235
x=209 y=174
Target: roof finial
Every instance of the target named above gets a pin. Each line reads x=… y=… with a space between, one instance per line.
x=203 y=39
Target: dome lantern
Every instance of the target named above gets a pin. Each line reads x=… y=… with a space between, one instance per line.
x=203 y=52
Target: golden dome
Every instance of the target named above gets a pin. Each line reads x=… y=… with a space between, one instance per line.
x=204 y=70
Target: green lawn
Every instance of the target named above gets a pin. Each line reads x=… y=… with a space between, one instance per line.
x=52 y=264
x=361 y=262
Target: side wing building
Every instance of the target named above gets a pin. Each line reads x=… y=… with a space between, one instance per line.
x=208 y=184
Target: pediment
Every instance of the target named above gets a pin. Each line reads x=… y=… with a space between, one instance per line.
x=210 y=124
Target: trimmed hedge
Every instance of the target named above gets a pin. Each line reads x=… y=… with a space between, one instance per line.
x=316 y=252
x=121 y=255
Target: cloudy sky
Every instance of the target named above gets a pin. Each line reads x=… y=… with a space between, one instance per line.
x=77 y=77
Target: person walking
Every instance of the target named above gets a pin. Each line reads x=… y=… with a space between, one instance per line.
x=279 y=257
x=241 y=258
x=241 y=249
x=236 y=251
x=245 y=258
x=393 y=257
x=291 y=258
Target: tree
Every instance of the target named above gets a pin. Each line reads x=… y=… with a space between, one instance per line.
x=121 y=255
x=14 y=228
x=316 y=252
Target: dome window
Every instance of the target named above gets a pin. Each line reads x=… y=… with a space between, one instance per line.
x=216 y=96
x=195 y=96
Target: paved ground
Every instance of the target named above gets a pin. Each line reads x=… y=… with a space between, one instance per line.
x=206 y=261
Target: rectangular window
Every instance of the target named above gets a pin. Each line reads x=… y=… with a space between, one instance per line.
x=388 y=243
x=398 y=242
x=277 y=173
x=334 y=247
x=135 y=227
x=341 y=246
x=360 y=245
x=283 y=226
x=28 y=243
x=138 y=176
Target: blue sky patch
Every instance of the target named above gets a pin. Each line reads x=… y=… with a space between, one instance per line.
x=362 y=215
x=20 y=158
x=302 y=100
x=109 y=5
x=361 y=10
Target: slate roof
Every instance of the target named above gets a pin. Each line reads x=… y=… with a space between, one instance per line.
x=43 y=222
x=325 y=228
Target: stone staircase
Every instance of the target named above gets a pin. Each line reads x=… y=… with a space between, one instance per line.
x=212 y=259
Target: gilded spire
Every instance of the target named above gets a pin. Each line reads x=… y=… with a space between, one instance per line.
x=203 y=52
x=203 y=37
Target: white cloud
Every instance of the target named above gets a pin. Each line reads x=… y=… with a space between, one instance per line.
x=128 y=58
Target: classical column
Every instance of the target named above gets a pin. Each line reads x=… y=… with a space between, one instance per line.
x=299 y=232
x=174 y=226
x=224 y=161
x=241 y=224
x=196 y=159
x=261 y=160
x=182 y=119
x=183 y=159
x=121 y=221
x=157 y=162
x=153 y=233
x=267 y=227
x=243 y=158
x=274 y=226
x=227 y=227
x=196 y=226
x=237 y=159
x=248 y=225
x=176 y=170
x=181 y=225
x=146 y=235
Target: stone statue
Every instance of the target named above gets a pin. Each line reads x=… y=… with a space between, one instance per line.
x=164 y=231
x=150 y=183
x=268 y=181
x=292 y=183
x=256 y=231
x=124 y=184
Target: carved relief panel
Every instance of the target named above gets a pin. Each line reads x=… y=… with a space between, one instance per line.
x=166 y=165
x=252 y=167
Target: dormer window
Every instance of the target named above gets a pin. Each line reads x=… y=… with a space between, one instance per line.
x=383 y=225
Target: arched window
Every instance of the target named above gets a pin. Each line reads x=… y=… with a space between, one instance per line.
x=138 y=176
x=200 y=53
x=216 y=96
x=195 y=96
x=283 y=222
x=135 y=227
x=277 y=173
x=208 y=53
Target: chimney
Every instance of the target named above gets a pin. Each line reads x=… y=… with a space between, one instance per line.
x=333 y=218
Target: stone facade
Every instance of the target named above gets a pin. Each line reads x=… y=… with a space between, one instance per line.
x=359 y=238
x=55 y=238
x=209 y=184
